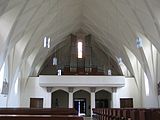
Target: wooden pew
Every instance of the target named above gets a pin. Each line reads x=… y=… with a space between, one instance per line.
x=144 y=114
x=40 y=117
x=134 y=114
x=127 y=114
x=38 y=111
x=156 y=115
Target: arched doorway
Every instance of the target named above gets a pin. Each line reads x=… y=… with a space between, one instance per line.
x=103 y=99
x=82 y=103
x=60 y=99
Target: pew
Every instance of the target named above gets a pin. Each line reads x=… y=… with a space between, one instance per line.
x=38 y=111
x=127 y=114
x=156 y=115
x=134 y=114
x=40 y=117
x=39 y=114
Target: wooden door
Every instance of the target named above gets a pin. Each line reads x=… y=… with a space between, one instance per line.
x=126 y=102
x=36 y=102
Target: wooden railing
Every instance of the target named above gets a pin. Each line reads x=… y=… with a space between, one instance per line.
x=127 y=114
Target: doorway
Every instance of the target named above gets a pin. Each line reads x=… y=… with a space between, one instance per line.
x=80 y=106
x=81 y=100
x=36 y=102
x=126 y=102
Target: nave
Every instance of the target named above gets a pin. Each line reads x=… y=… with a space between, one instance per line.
x=90 y=52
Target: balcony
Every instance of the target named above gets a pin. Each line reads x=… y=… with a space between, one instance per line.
x=81 y=81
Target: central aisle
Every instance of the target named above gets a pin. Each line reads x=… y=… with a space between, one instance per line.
x=88 y=118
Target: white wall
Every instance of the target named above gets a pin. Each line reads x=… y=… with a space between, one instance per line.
x=150 y=100
x=33 y=90
x=14 y=95
x=12 y=99
x=129 y=91
x=3 y=100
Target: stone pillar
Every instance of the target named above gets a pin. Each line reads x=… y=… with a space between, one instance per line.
x=48 y=97
x=93 y=89
x=114 y=98
x=70 y=90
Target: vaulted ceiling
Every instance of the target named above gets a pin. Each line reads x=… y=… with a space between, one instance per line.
x=114 y=23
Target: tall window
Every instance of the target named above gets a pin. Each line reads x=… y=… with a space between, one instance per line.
x=79 y=49
x=46 y=42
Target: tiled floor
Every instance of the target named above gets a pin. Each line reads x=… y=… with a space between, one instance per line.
x=88 y=118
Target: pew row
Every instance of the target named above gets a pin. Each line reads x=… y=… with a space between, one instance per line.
x=38 y=111
x=126 y=114
x=40 y=117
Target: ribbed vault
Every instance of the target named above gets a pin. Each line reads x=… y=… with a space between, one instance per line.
x=115 y=24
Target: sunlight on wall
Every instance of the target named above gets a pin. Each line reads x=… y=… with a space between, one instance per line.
x=1 y=77
x=132 y=58
x=16 y=86
x=146 y=84
x=123 y=67
x=154 y=54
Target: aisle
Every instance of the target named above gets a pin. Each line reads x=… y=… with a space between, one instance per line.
x=88 y=118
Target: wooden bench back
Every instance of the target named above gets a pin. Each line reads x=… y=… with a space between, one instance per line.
x=38 y=111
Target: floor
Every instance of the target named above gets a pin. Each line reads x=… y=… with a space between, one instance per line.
x=88 y=118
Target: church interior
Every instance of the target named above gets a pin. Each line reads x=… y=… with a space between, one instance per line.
x=91 y=59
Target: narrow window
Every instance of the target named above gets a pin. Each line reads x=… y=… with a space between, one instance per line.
x=79 y=49
x=46 y=42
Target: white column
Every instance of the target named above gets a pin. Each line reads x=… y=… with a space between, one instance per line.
x=92 y=102
x=70 y=90
x=48 y=100
x=92 y=99
x=70 y=100
x=114 y=98
x=48 y=97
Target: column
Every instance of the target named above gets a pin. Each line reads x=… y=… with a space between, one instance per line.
x=92 y=99
x=48 y=97
x=70 y=90
x=114 y=98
